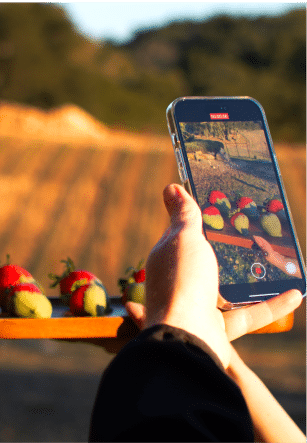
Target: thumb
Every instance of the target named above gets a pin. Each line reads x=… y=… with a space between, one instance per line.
x=181 y=207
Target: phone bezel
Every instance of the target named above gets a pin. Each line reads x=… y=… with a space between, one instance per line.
x=185 y=109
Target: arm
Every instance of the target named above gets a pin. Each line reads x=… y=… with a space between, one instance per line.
x=170 y=387
x=171 y=366
x=271 y=422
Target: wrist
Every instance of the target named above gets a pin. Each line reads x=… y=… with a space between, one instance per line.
x=237 y=369
x=208 y=331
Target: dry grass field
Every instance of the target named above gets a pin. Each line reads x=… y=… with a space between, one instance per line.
x=102 y=206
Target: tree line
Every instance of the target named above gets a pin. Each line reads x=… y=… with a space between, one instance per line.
x=46 y=62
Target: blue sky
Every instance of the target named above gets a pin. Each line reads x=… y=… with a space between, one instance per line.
x=119 y=20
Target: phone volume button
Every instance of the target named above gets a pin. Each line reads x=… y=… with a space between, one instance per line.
x=181 y=168
x=174 y=140
x=178 y=158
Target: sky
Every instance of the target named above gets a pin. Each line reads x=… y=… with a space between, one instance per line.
x=118 y=21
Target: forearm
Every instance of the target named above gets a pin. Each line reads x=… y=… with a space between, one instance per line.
x=271 y=422
x=172 y=388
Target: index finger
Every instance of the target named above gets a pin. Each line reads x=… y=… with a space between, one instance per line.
x=242 y=321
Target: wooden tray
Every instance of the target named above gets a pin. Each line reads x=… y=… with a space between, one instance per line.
x=116 y=326
x=230 y=235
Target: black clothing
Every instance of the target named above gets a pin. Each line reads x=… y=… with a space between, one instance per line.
x=168 y=385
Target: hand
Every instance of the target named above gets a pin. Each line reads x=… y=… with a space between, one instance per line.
x=239 y=322
x=288 y=265
x=182 y=284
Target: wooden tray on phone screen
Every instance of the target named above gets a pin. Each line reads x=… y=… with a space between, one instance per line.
x=114 y=326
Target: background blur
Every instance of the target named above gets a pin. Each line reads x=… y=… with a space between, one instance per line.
x=85 y=156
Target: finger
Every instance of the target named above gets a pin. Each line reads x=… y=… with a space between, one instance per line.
x=181 y=207
x=137 y=312
x=263 y=244
x=223 y=304
x=242 y=321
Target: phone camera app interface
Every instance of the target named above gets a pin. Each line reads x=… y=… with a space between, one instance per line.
x=242 y=208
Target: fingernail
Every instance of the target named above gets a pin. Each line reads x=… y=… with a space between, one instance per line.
x=297 y=296
x=172 y=195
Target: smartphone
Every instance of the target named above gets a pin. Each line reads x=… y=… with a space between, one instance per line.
x=226 y=161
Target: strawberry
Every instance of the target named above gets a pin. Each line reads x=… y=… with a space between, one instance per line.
x=240 y=222
x=212 y=217
x=139 y=276
x=219 y=199
x=72 y=279
x=274 y=206
x=11 y=275
x=76 y=301
x=133 y=287
x=89 y=300
x=27 y=301
x=248 y=207
x=271 y=225
x=135 y=292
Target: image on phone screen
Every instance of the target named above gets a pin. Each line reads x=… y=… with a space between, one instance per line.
x=242 y=207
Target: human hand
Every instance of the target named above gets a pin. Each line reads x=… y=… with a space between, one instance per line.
x=182 y=284
x=245 y=320
x=182 y=277
x=288 y=265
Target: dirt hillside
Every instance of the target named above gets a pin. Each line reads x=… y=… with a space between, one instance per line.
x=70 y=124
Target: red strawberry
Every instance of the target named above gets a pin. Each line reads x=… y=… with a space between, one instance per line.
x=214 y=195
x=89 y=300
x=211 y=210
x=248 y=207
x=139 y=276
x=133 y=287
x=274 y=206
x=11 y=275
x=71 y=280
x=220 y=200
x=240 y=222
x=76 y=301
x=244 y=201
x=74 y=280
x=212 y=217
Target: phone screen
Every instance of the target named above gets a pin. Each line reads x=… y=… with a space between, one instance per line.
x=235 y=180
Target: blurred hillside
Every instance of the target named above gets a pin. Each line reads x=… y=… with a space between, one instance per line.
x=45 y=62
x=101 y=206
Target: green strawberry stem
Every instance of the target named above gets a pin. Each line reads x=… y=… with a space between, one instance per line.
x=8 y=259
x=131 y=269
x=70 y=266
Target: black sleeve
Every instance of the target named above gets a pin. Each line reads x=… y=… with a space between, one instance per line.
x=168 y=385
